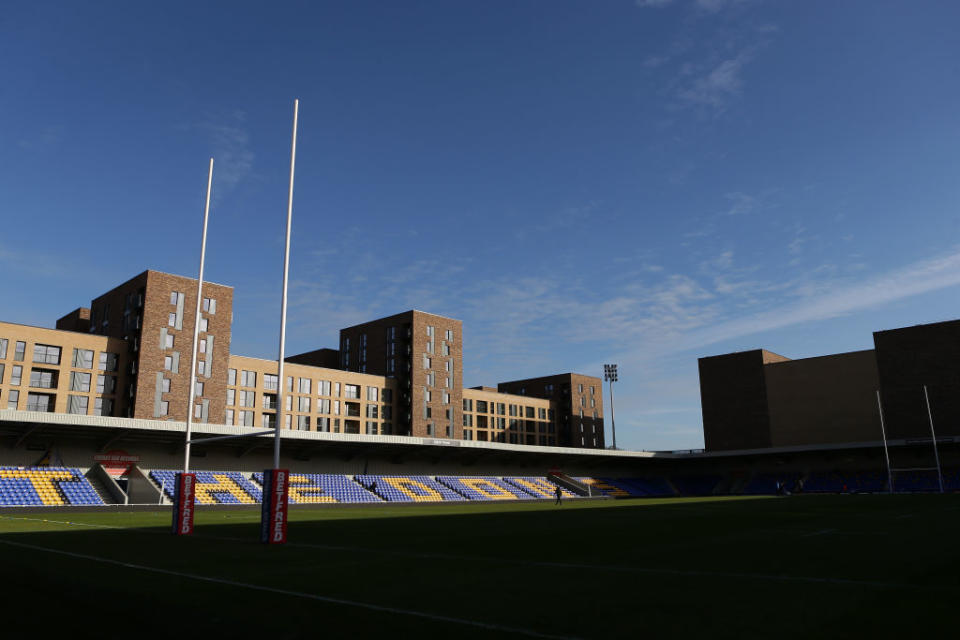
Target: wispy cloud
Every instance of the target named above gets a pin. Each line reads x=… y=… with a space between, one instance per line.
x=718 y=87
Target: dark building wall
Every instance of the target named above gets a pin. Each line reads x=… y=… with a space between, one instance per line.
x=326 y=358
x=824 y=400
x=138 y=311
x=733 y=399
x=908 y=359
x=572 y=393
x=76 y=320
x=395 y=347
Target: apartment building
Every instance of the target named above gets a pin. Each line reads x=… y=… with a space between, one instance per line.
x=128 y=355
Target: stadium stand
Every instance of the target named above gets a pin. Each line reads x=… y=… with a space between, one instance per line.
x=538 y=487
x=696 y=485
x=320 y=488
x=483 y=488
x=766 y=483
x=845 y=481
x=642 y=487
x=213 y=487
x=45 y=486
x=605 y=488
x=408 y=488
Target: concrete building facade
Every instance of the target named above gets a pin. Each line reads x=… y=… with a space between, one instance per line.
x=759 y=399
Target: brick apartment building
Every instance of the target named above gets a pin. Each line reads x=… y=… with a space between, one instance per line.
x=129 y=353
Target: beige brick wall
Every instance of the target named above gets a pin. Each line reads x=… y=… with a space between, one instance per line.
x=67 y=341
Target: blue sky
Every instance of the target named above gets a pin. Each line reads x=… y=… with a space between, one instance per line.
x=580 y=182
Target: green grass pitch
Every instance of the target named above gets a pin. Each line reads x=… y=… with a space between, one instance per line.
x=796 y=567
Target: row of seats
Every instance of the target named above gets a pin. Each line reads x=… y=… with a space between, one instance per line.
x=319 y=488
x=213 y=487
x=45 y=487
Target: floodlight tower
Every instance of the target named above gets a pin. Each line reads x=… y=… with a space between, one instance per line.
x=610 y=375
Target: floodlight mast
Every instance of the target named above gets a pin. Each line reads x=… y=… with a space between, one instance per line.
x=610 y=375
x=281 y=383
x=196 y=322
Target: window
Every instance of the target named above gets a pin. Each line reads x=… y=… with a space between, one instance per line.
x=108 y=361
x=102 y=407
x=303 y=404
x=203 y=345
x=44 y=378
x=198 y=391
x=168 y=363
x=431 y=379
x=248 y=399
x=15 y=374
x=351 y=391
x=172 y=320
x=371 y=394
x=446 y=382
x=371 y=428
x=246 y=418
x=583 y=401
x=106 y=384
x=210 y=305
x=20 y=351
x=579 y=388
x=2 y=367
x=336 y=407
x=467 y=404
x=231 y=376
x=83 y=358
x=271 y=382
x=3 y=348
x=248 y=378
x=305 y=385
x=323 y=424
x=175 y=297
x=427 y=361
x=386 y=413
x=427 y=395
x=288 y=403
x=196 y=410
x=336 y=389
x=323 y=406
x=323 y=387
x=165 y=385
x=481 y=406
x=446 y=349
x=204 y=324
x=386 y=395
x=80 y=381
x=168 y=341
x=529 y=412
x=592 y=390
x=430 y=347
x=542 y=413
x=593 y=402
x=449 y=335
x=467 y=420
x=445 y=398
x=270 y=401
x=46 y=354
x=372 y=411
x=429 y=331
x=202 y=367
x=40 y=402
x=230 y=416
x=289 y=384
x=303 y=423
x=12 y=399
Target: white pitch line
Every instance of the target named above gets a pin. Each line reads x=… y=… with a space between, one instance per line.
x=298 y=594
x=76 y=524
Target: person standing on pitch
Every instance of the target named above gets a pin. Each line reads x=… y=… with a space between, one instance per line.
x=559 y=492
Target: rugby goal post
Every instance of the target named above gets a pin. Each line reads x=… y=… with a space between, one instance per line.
x=933 y=436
